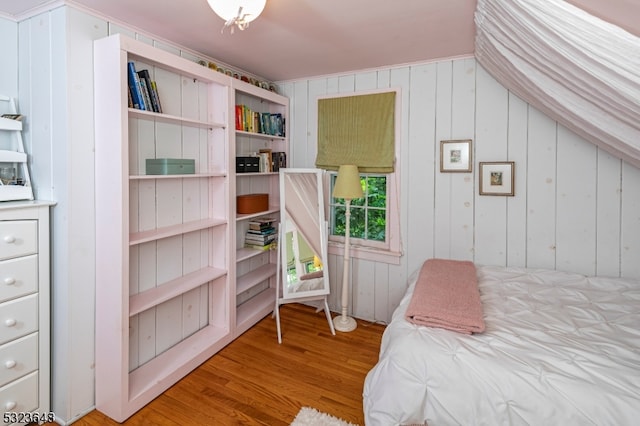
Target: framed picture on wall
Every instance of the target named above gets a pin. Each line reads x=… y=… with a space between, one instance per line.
x=455 y=156
x=497 y=178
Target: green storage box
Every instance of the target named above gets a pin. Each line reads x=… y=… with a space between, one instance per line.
x=170 y=166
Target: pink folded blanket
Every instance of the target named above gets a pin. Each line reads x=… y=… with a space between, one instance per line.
x=446 y=295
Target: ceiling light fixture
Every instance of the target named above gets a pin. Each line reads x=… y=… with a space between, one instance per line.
x=238 y=13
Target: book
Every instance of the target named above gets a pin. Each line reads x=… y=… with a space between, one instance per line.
x=17 y=117
x=277 y=123
x=265 y=121
x=154 y=86
x=282 y=160
x=259 y=240
x=151 y=89
x=258 y=227
x=239 y=119
x=256 y=123
x=269 y=231
x=266 y=160
x=278 y=161
x=145 y=85
x=259 y=236
x=247 y=123
x=270 y=246
x=264 y=231
x=261 y=223
x=134 y=86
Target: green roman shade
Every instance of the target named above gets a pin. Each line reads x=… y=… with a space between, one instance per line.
x=357 y=130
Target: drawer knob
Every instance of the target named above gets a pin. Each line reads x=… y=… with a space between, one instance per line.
x=9 y=280
x=9 y=239
x=10 y=405
x=10 y=364
x=10 y=322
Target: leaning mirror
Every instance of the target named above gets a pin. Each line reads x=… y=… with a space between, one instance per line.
x=303 y=234
x=302 y=269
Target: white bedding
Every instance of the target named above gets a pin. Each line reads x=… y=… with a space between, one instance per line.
x=559 y=349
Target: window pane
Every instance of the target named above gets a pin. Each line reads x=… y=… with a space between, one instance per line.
x=360 y=201
x=338 y=220
x=376 y=225
x=368 y=214
x=377 y=191
x=357 y=223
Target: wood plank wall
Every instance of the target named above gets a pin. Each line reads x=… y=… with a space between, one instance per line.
x=575 y=207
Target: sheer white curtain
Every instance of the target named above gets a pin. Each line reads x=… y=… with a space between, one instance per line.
x=576 y=68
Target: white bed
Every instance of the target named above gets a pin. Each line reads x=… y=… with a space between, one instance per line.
x=558 y=349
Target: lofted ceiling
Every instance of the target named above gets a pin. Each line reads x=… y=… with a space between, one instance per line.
x=293 y=39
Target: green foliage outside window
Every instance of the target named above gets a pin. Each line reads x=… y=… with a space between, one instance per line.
x=368 y=214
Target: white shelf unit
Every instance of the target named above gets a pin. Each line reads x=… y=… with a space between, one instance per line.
x=164 y=290
x=13 y=157
x=256 y=269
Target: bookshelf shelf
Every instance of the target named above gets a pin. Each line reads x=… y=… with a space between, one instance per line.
x=245 y=253
x=253 y=310
x=255 y=268
x=9 y=124
x=166 y=291
x=189 y=176
x=250 y=174
x=273 y=210
x=167 y=118
x=173 y=230
x=260 y=135
x=250 y=279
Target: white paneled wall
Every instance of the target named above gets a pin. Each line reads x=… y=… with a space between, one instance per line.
x=8 y=49
x=575 y=207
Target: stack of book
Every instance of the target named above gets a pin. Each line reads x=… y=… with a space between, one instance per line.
x=266 y=123
x=143 y=92
x=262 y=234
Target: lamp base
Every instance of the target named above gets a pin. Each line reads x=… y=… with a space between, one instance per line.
x=344 y=323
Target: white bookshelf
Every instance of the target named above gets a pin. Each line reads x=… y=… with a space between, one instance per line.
x=171 y=266
x=164 y=293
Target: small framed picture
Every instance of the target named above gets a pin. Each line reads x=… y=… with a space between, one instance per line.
x=496 y=178
x=455 y=156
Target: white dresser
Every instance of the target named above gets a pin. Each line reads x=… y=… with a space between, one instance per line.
x=24 y=310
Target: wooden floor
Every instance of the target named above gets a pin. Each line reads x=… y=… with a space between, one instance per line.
x=256 y=381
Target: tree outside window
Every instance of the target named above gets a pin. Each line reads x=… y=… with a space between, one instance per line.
x=368 y=214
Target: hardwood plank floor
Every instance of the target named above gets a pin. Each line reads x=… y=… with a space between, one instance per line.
x=256 y=381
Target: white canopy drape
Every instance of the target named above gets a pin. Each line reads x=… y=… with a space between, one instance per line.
x=576 y=68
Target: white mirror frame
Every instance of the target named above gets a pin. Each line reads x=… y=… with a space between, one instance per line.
x=315 y=224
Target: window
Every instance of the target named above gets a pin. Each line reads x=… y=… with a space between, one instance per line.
x=368 y=214
x=358 y=129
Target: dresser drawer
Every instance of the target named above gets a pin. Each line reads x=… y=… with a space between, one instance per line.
x=18 y=238
x=18 y=277
x=18 y=318
x=20 y=395
x=18 y=358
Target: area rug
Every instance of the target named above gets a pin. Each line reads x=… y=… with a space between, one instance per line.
x=311 y=417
